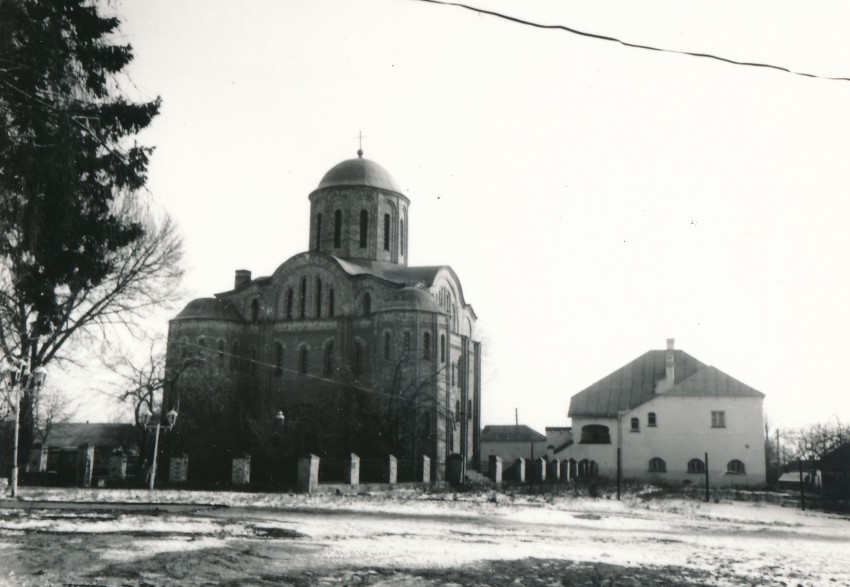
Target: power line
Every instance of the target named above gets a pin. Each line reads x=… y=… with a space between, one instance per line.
x=631 y=45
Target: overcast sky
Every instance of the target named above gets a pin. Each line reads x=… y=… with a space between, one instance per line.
x=594 y=199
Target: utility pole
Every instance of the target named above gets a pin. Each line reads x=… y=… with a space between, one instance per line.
x=707 y=497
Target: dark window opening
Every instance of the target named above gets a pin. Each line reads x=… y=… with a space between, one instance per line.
x=367 y=304
x=651 y=420
x=302 y=309
x=278 y=358
x=329 y=358
x=364 y=228
x=318 y=298
x=401 y=237
x=255 y=311
x=718 y=419
x=442 y=348
x=304 y=360
x=290 y=295
x=386 y=232
x=331 y=308
x=635 y=424
x=337 y=229
x=318 y=231
x=469 y=410
x=696 y=466
x=736 y=467
x=426 y=346
x=657 y=465
x=595 y=434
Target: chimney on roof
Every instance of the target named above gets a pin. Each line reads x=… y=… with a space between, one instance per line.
x=670 y=363
x=669 y=369
x=243 y=277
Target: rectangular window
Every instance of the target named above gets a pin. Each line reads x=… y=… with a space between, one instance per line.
x=635 y=425
x=718 y=419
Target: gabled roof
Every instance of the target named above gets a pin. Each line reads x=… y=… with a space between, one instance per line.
x=521 y=433
x=73 y=435
x=635 y=384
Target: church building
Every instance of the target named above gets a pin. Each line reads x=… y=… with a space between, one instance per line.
x=358 y=350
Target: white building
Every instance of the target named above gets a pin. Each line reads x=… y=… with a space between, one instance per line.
x=666 y=411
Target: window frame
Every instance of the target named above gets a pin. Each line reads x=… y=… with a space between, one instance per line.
x=718 y=418
x=654 y=466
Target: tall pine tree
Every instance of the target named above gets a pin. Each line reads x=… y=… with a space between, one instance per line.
x=78 y=250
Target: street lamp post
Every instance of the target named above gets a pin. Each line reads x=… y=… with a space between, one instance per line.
x=19 y=377
x=170 y=417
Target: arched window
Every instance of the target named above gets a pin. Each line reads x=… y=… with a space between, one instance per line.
x=331 y=308
x=426 y=346
x=595 y=434
x=220 y=351
x=442 y=348
x=367 y=304
x=302 y=310
x=386 y=232
x=278 y=358
x=657 y=465
x=337 y=229
x=735 y=467
x=234 y=356
x=255 y=311
x=318 y=298
x=364 y=228
x=318 y=231
x=329 y=358
x=303 y=360
x=386 y=346
x=290 y=295
x=696 y=466
x=651 y=420
x=401 y=236
x=635 y=424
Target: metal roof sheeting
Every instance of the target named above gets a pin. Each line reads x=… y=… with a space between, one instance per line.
x=635 y=384
x=521 y=433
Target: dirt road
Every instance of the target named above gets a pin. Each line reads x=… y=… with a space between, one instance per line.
x=376 y=541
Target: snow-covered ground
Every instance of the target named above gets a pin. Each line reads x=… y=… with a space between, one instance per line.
x=411 y=537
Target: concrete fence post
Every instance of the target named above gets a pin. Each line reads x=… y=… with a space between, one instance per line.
x=454 y=469
x=540 y=470
x=117 y=466
x=426 y=469
x=553 y=470
x=392 y=470
x=240 y=470
x=308 y=473
x=565 y=470
x=86 y=465
x=520 y=470
x=494 y=466
x=353 y=470
x=178 y=469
